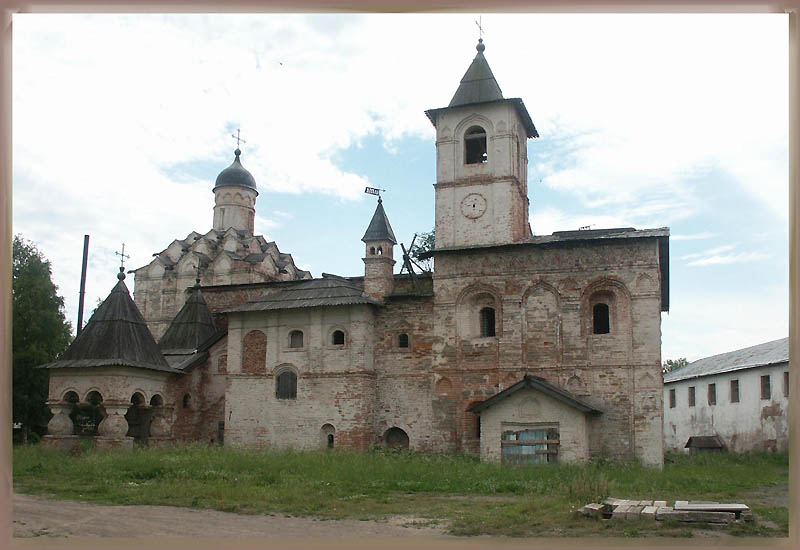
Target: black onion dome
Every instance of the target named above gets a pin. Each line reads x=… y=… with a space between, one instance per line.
x=235 y=175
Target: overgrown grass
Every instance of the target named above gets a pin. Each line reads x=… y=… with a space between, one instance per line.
x=337 y=484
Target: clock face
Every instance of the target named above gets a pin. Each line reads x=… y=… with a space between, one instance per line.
x=473 y=206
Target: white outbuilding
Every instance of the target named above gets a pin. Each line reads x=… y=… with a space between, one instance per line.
x=738 y=399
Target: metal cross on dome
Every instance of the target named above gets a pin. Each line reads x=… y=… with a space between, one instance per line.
x=480 y=28
x=238 y=138
x=122 y=256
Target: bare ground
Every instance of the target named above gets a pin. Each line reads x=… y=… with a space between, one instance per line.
x=35 y=516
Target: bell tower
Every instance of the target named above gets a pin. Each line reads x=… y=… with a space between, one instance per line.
x=379 y=255
x=481 y=162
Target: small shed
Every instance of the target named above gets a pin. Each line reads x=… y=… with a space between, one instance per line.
x=534 y=422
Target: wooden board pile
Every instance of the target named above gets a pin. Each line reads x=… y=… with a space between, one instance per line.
x=683 y=511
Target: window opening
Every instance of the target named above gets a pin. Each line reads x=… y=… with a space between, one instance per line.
x=395 y=438
x=672 y=399
x=530 y=446
x=402 y=340
x=475 y=145
x=600 y=316
x=786 y=383
x=712 y=394
x=286 y=385
x=337 y=339
x=187 y=401
x=380 y=251
x=487 y=319
x=296 y=339
x=766 y=391
x=734 y=391
x=372 y=250
x=691 y=396
x=330 y=441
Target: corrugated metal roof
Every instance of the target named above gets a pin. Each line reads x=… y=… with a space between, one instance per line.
x=542 y=385
x=769 y=353
x=115 y=335
x=328 y=291
x=192 y=326
x=379 y=227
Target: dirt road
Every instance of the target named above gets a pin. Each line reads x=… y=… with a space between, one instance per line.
x=35 y=516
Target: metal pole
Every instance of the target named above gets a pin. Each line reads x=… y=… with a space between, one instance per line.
x=83 y=284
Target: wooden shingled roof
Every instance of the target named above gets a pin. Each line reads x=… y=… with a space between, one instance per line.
x=542 y=385
x=192 y=326
x=330 y=290
x=116 y=335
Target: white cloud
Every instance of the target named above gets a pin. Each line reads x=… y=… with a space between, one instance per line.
x=709 y=252
x=105 y=107
x=692 y=236
x=719 y=259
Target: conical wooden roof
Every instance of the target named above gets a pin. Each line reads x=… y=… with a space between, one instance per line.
x=116 y=335
x=191 y=327
x=379 y=228
x=478 y=84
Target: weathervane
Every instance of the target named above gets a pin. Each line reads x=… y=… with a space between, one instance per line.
x=122 y=257
x=374 y=191
x=238 y=138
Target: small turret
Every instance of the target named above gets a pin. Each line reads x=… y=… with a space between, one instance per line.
x=379 y=256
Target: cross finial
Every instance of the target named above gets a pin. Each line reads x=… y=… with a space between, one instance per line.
x=122 y=256
x=238 y=138
x=480 y=28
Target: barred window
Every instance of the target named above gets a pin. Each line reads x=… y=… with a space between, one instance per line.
x=286 y=385
x=402 y=340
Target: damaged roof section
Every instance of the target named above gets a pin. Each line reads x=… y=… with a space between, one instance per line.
x=330 y=290
x=539 y=384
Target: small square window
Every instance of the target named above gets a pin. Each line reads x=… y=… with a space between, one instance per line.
x=734 y=391
x=766 y=390
x=691 y=396
x=712 y=394
x=672 y=399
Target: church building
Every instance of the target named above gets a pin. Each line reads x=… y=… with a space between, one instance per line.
x=519 y=348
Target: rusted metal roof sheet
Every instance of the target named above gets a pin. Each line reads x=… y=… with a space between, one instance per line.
x=328 y=291
x=769 y=353
x=116 y=335
x=542 y=385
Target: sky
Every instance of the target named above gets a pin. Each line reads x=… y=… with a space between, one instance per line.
x=121 y=124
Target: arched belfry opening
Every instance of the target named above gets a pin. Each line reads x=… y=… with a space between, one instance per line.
x=475 y=151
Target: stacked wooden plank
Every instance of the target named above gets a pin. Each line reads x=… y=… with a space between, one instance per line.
x=683 y=511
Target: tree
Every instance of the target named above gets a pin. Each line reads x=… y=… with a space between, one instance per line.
x=424 y=243
x=673 y=364
x=40 y=333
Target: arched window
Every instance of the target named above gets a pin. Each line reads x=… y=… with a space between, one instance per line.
x=380 y=251
x=487 y=321
x=286 y=385
x=372 y=250
x=296 y=339
x=402 y=340
x=475 y=146
x=337 y=338
x=395 y=438
x=600 y=321
x=187 y=401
